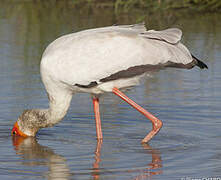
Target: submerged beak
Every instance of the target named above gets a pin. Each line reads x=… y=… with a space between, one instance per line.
x=17 y=132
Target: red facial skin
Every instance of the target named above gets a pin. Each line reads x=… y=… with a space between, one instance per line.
x=17 y=132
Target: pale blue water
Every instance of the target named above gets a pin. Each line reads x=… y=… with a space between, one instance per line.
x=187 y=101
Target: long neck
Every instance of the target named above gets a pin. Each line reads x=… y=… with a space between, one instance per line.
x=59 y=103
x=58 y=106
x=33 y=119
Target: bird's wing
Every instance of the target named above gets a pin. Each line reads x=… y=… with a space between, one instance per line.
x=133 y=28
x=139 y=28
x=93 y=55
x=171 y=35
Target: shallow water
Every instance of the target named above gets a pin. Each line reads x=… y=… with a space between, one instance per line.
x=187 y=101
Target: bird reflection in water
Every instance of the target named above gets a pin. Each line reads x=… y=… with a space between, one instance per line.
x=35 y=154
x=96 y=169
x=153 y=168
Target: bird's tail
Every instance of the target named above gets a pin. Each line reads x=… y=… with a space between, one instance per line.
x=199 y=63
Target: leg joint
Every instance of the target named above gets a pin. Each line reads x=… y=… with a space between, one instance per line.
x=157 y=125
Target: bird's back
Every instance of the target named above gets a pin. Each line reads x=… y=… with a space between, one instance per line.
x=91 y=55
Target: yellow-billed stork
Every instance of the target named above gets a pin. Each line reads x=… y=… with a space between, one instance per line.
x=103 y=60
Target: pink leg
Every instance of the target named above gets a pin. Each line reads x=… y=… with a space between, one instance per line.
x=97 y=118
x=157 y=124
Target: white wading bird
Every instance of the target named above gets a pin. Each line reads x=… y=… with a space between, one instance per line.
x=103 y=60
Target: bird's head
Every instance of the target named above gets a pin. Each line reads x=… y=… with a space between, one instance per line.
x=27 y=124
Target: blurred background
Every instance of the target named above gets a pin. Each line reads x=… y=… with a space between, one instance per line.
x=187 y=101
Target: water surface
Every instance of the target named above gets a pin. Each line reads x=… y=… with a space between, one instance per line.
x=187 y=101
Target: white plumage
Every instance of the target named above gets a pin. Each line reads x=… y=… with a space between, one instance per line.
x=90 y=55
x=103 y=60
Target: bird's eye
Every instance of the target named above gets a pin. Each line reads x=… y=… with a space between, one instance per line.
x=14 y=132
